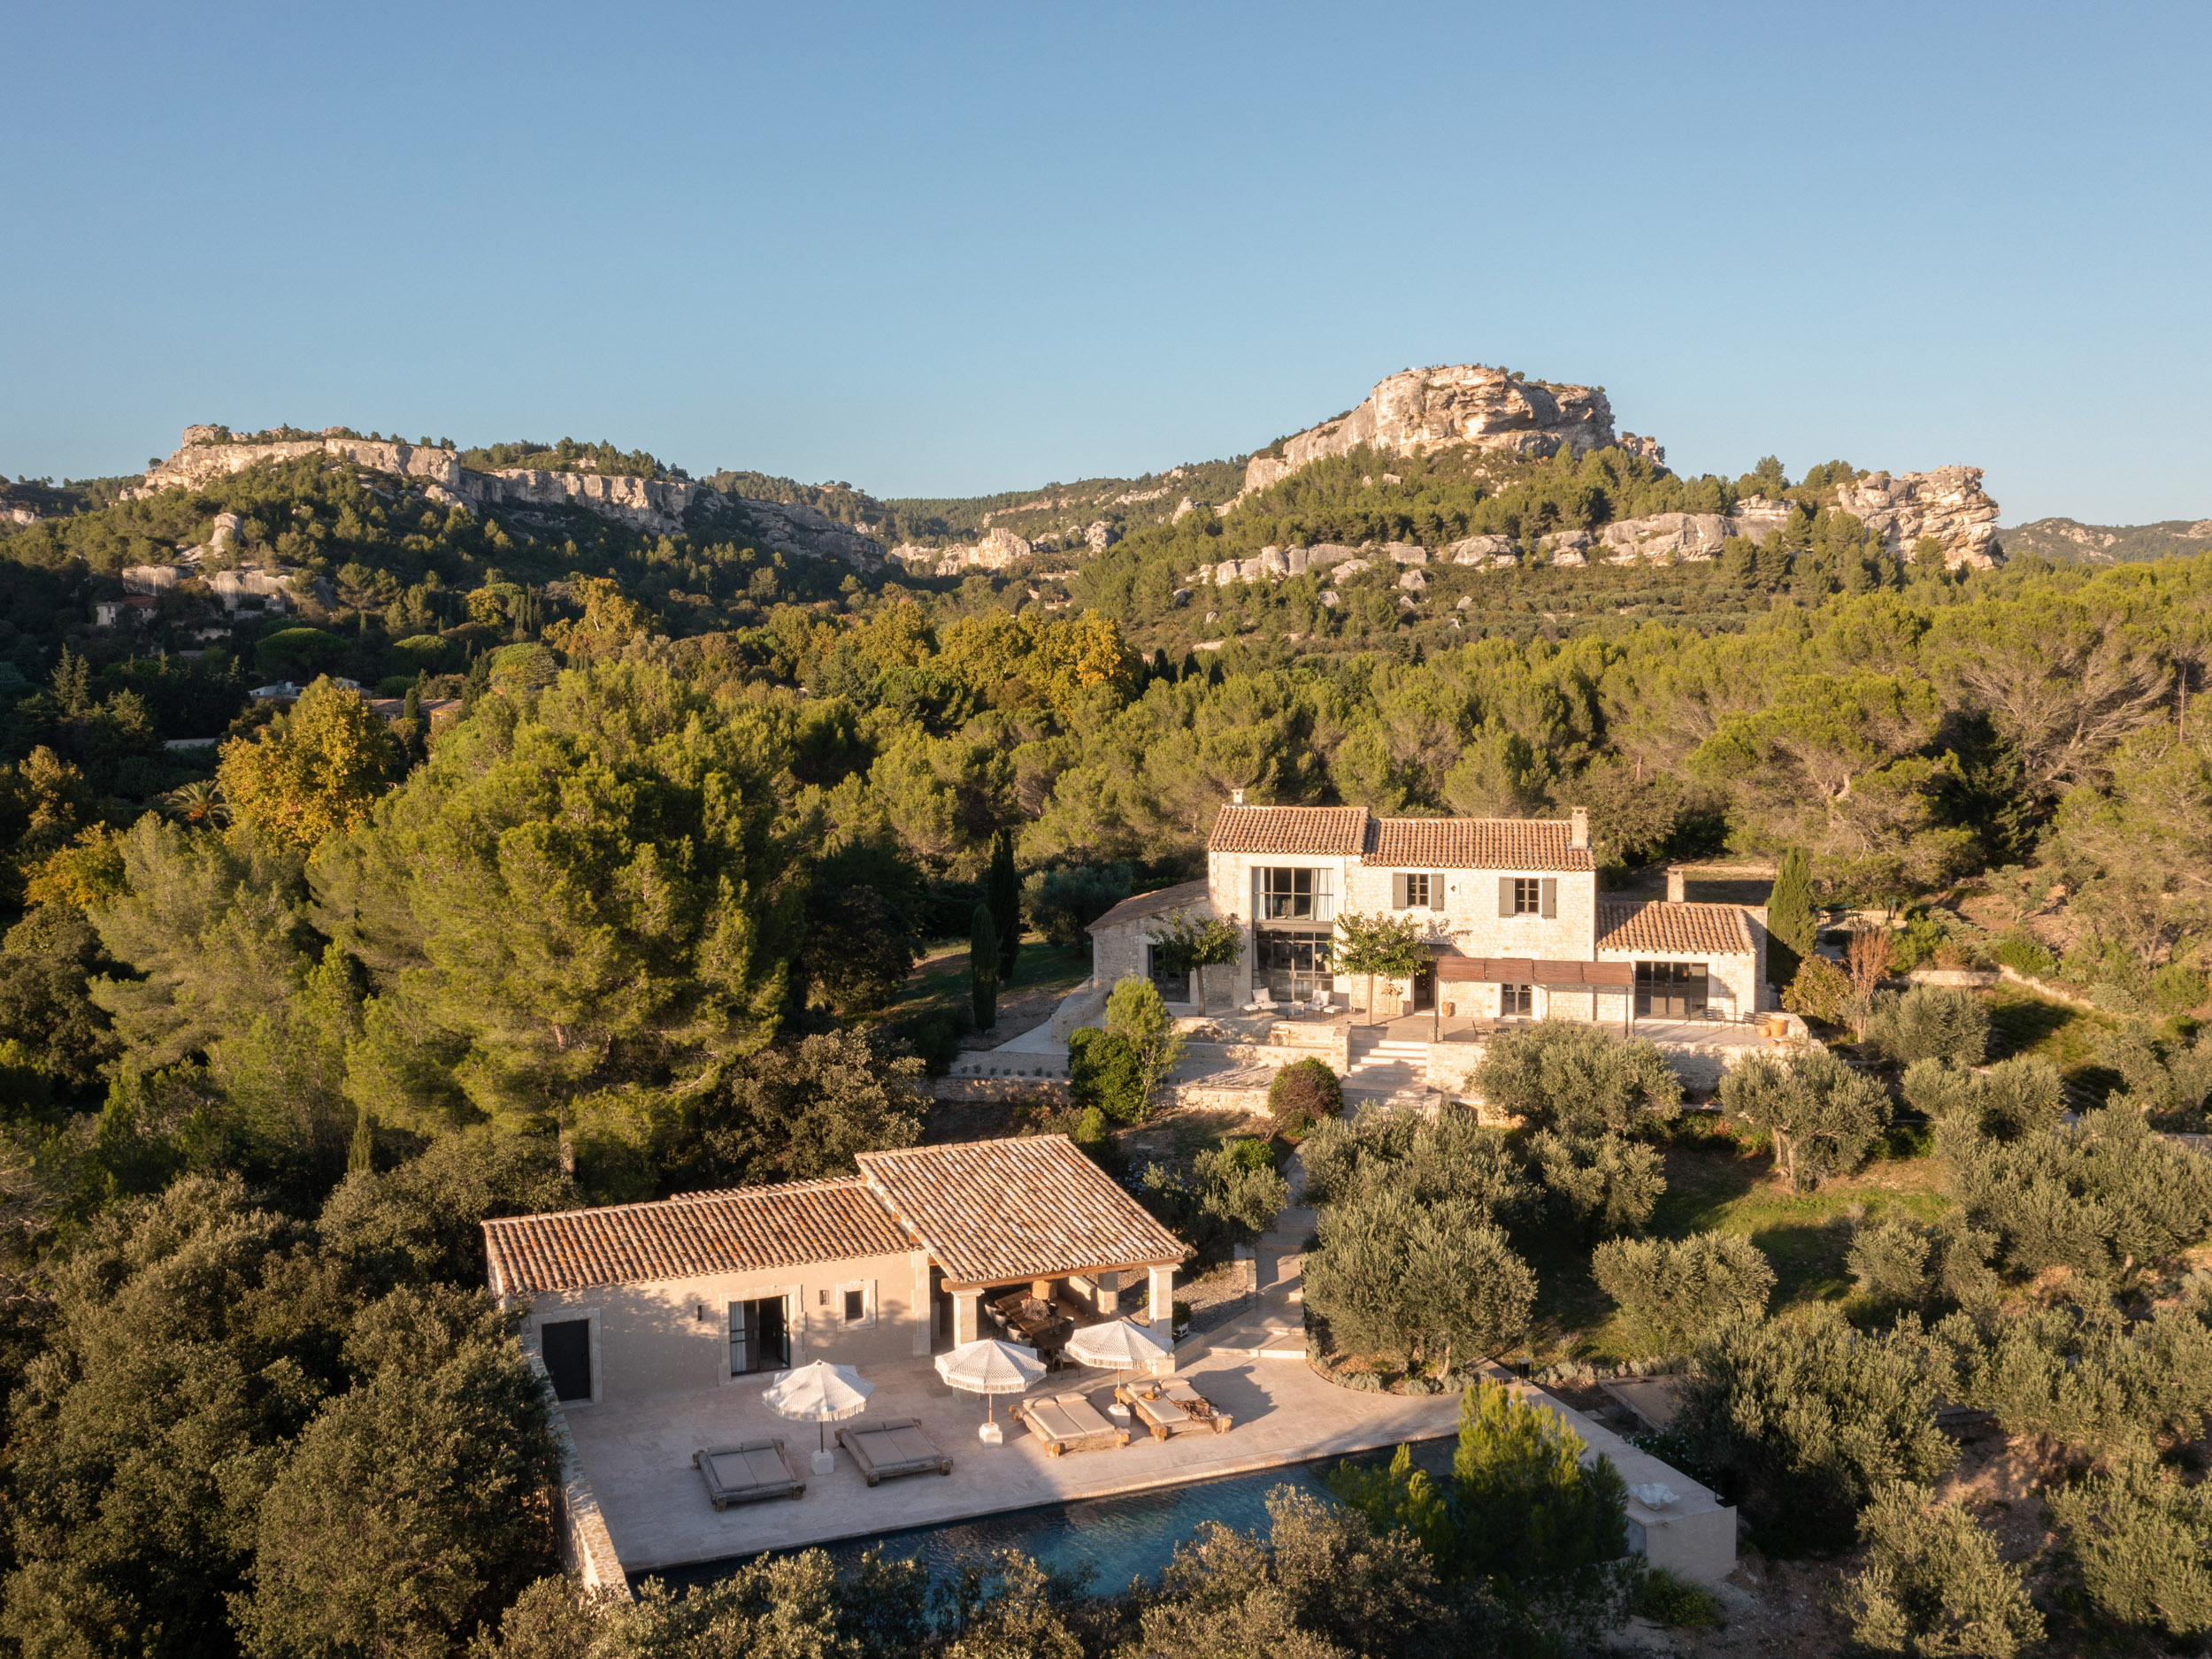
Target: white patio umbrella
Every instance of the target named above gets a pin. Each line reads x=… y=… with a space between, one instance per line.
x=989 y=1367
x=1117 y=1346
x=817 y=1394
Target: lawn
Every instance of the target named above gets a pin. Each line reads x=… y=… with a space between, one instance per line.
x=2071 y=1039
x=1042 y=974
x=1713 y=1187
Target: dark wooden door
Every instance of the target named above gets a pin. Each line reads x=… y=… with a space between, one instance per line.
x=567 y=1348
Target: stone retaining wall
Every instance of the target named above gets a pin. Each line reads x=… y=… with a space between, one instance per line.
x=585 y=1546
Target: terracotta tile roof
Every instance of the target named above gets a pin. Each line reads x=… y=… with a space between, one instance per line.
x=735 y=1230
x=1475 y=843
x=1323 y=831
x=1165 y=899
x=999 y=1211
x=1711 y=930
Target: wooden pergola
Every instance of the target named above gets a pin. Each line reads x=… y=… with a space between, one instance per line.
x=1593 y=977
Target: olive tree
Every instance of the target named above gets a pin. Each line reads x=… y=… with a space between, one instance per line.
x=1934 y=1583
x=1577 y=1079
x=1823 y=1114
x=1674 y=1291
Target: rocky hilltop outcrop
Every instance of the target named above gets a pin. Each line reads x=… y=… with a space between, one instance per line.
x=1948 y=504
x=1462 y=405
x=649 y=503
x=645 y=504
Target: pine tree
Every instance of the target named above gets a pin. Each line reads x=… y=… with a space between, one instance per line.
x=983 y=967
x=1005 y=891
x=1790 y=922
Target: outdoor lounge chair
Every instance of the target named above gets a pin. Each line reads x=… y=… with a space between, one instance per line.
x=738 y=1474
x=1168 y=1405
x=895 y=1447
x=1071 y=1423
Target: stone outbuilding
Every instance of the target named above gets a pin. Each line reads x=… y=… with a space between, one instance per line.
x=628 y=1300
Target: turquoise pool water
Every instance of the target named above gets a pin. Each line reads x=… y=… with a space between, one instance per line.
x=1117 y=1538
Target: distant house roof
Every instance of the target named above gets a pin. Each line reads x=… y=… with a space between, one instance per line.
x=1711 y=930
x=730 y=1231
x=1415 y=843
x=1327 y=831
x=1476 y=843
x=1156 y=903
x=996 y=1212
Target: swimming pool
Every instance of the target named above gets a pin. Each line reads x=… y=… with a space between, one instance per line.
x=1117 y=1538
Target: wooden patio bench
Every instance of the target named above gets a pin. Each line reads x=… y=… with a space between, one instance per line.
x=897 y=1447
x=746 y=1471
x=1168 y=1406
x=1070 y=1422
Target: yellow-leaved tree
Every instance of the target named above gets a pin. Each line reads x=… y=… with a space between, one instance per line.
x=311 y=772
x=611 y=619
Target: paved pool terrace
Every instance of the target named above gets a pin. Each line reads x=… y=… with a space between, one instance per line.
x=636 y=1455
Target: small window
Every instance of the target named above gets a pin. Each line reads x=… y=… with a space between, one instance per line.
x=1417 y=897
x=1517 y=999
x=855 y=1306
x=1528 y=895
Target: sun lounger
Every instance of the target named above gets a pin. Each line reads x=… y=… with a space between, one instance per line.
x=1070 y=1422
x=895 y=1448
x=738 y=1474
x=1169 y=1406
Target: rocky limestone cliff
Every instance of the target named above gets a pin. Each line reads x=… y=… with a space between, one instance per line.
x=653 y=504
x=647 y=504
x=1948 y=504
x=1466 y=404
x=996 y=551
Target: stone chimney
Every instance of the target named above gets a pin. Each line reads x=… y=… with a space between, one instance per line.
x=1678 y=888
x=1579 y=829
x=1236 y=797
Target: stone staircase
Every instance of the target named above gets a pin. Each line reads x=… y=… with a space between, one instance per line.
x=1392 y=1068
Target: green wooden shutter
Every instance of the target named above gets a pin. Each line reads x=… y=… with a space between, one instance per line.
x=1505 y=896
x=1436 y=889
x=1551 y=897
x=1398 y=891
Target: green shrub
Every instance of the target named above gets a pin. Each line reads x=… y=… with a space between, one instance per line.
x=1664 y=1598
x=1930 y=1022
x=1303 y=1093
x=2015 y=1098
x=2022 y=955
x=1061 y=903
x=1672 y=1293
x=1103 y=1072
x=1819 y=991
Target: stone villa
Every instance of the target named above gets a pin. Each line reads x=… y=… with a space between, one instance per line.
x=708 y=1289
x=1509 y=908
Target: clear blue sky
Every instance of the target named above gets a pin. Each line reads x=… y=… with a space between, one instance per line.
x=939 y=250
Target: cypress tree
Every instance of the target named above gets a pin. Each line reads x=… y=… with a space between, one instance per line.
x=1005 y=892
x=1790 y=916
x=983 y=967
x=361 y=1156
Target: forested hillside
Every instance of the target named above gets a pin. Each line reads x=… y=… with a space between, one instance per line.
x=283 y=1017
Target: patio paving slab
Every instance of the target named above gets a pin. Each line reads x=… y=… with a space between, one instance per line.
x=637 y=1454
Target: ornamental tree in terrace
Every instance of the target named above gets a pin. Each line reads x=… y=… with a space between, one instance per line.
x=1193 y=943
x=1377 y=944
